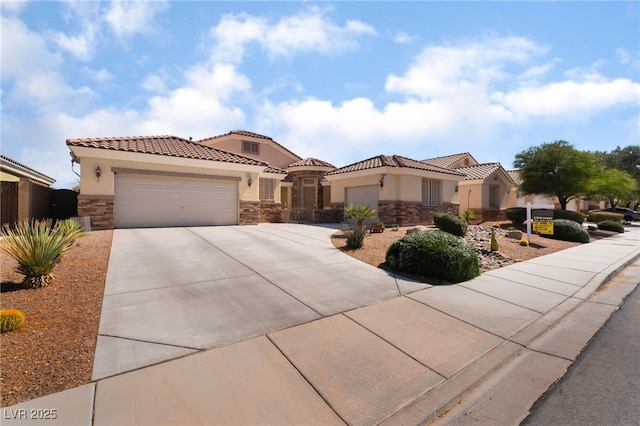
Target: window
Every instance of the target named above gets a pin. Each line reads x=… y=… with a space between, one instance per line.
x=267 y=189
x=431 y=192
x=251 y=147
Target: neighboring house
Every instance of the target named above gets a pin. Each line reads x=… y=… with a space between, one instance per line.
x=576 y=204
x=487 y=189
x=401 y=190
x=25 y=192
x=300 y=195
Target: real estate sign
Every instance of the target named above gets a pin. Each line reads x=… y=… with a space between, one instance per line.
x=543 y=221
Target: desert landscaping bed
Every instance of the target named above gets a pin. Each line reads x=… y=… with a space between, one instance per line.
x=54 y=350
x=510 y=251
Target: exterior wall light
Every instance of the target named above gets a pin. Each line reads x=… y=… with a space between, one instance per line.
x=249 y=181
x=382 y=180
x=98 y=173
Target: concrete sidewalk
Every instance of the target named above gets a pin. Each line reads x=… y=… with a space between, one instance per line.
x=480 y=352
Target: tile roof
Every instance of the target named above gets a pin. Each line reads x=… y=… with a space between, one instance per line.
x=172 y=146
x=515 y=175
x=310 y=162
x=392 y=161
x=34 y=173
x=275 y=170
x=447 y=160
x=251 y=135
x=481 y=171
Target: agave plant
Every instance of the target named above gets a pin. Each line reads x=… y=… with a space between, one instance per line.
x=37 y=247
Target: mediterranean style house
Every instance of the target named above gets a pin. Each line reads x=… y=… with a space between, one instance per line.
x=246 y=178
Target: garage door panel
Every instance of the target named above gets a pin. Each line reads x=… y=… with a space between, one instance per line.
x=363 y=196
x=156 y=201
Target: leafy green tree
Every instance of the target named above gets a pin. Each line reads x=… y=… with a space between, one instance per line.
x=556 y=169
x=626 y=159
x=613 y=185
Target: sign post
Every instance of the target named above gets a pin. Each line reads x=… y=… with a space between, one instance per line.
x=542 y=220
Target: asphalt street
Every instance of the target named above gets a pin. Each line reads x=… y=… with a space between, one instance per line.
x=603 y=385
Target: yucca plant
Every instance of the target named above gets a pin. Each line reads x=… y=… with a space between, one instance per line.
x=37 y=247
x=70 y=227
x=355 y=235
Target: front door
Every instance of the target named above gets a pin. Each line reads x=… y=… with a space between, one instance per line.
x=308 y=197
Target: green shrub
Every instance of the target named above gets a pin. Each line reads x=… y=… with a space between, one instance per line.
x=355 y=236
x=609 y=225
x=570 y=215
x=436 y=254
x=11 y=319
x=450 y=223
x=37 y=247
x=468 y=215
x=568 y=230
x=517 y=215
x=598 y=217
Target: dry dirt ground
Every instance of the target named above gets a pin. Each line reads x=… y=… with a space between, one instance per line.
x=54 y=350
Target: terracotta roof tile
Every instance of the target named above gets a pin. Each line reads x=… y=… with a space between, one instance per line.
x=35 y=172
x=275 y=170
x=479 y=171
x=172 y=146
x=310 y=162
x=515 y=175
x=392 y=161
x=448 y=160
x=252 y=135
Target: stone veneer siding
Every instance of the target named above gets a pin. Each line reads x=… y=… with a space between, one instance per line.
x=271 y=212
x=407 y=214
x=249 y=212
x=99 y=208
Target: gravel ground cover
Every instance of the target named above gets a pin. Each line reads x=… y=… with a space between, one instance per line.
x=510 y=251
x=54 y=350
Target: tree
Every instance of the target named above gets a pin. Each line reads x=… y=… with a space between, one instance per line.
x=626 y=159
x=556 y=169
x=614 y=185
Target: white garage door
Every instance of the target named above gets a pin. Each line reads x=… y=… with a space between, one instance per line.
x=158 y=201
x=363 y=196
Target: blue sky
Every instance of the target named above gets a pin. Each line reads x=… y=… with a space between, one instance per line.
x=339 y=81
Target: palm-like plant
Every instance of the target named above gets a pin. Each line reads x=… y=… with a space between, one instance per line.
x=37 y=247
x=355 y=235
x=359 y=213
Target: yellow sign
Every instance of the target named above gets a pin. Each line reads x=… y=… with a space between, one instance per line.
x=543 y=227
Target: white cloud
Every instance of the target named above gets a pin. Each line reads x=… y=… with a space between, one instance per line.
x=308 y=31
x=402 y=38
x=154 y=83
x=441 y=70
x=130 y=17
x=570 y=98
x=623 y=55
x=12 y=6
x=100 y=75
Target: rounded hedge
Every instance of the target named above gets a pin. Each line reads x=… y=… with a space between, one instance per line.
x=598 y=217
x=450 y=223
x=517 y=215
x=609 y=225
x=436 y=254
x=577 y=217
x=568 y=230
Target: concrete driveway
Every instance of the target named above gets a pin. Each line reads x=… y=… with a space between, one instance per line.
x=171 y=292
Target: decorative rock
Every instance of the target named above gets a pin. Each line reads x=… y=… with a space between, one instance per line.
x=418 y=228
x=514 y=234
